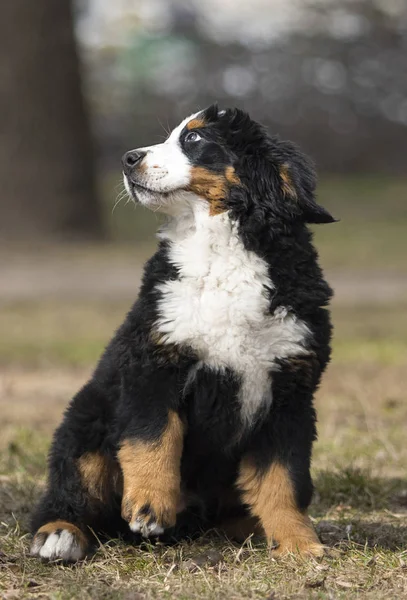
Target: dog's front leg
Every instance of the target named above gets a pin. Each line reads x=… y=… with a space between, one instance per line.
x=150 y=456
x=274 y=478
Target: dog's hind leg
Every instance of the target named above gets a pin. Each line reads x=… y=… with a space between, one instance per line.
x=84 y=486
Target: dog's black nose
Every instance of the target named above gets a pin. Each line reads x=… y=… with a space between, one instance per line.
x=131 y=158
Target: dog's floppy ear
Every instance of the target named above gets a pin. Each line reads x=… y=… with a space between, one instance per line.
x=297 y=184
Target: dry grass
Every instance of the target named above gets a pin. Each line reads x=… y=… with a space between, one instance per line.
x=360 y=460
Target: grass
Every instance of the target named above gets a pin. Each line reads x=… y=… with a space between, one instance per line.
x=365 y=557
x=222 y=571
x=48 y=348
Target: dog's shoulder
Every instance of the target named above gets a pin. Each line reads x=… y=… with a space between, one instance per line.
x=132 y=339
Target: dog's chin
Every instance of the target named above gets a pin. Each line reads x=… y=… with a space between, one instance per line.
x=148 y=198
x=170 y=203
x=145 y=196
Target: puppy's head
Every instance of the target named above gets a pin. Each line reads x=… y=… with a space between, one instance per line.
x=194 y=161
x=230 y=163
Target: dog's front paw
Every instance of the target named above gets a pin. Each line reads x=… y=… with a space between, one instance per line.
x=301 y=546
x=149 y=512
x=59 y=540
x=299 y=538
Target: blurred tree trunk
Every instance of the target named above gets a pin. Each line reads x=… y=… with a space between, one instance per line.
x=47 y=182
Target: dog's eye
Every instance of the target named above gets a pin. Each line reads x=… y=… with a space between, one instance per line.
x=192 y=136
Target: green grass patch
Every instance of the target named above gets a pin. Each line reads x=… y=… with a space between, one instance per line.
x=41 y=333
x=387 y=351
x=25 y=453
x=354 y=488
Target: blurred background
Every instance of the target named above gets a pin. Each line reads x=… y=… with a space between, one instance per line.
x=82 y=82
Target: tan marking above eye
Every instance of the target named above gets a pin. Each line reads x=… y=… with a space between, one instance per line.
x=196 y=124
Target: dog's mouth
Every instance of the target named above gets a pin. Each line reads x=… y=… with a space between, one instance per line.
x=137 y=187
x=140 y=192
x=167 y=201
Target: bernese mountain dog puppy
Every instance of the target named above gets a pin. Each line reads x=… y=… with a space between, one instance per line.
x=200 y=411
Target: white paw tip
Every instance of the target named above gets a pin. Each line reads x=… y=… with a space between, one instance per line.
x=136 y=525
x=63 y=545
x=146 y=529
x=155 y=529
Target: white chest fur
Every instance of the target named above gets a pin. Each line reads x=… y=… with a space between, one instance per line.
x=219 y=306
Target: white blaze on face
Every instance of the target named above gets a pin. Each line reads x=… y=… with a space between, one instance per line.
x=164 y=170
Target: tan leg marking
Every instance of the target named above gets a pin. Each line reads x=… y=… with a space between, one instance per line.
x=100 y=475
x=271 y=498
x=152 y=479
x=60 y=540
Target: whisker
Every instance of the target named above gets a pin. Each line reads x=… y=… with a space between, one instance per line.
x=167 y=131
x=115 y=204
x=130 y=199
x=119 y=184
x=120 y=196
